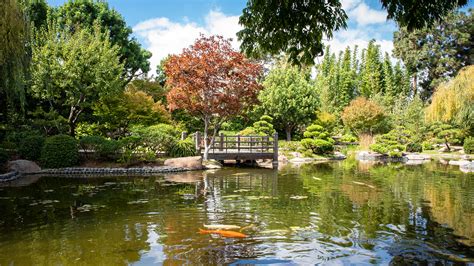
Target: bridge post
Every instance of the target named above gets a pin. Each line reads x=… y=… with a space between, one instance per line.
x=184 y=135
x=238 y=143
x=275 y=151
x=221 y=146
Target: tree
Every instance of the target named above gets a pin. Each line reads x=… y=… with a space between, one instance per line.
x=317 y=140
x=436 y=53
x=211 y=80
x=363 y=116
x=131 y=107
x=13 y=57
x=289 y=97
x=446 y=134
x=81 y=14
x=453 y=101
x=371 y=71
x=71 y=71
x=298 y=27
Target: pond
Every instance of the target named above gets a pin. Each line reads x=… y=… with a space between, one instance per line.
x=340 y=213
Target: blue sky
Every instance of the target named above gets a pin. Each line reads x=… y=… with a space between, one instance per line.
x=167 y=26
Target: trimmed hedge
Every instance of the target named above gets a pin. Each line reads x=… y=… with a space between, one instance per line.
x=30 y=147
x=59 y=151
x=469 y=145
x=414 y=147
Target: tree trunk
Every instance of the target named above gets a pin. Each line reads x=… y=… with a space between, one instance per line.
x=72 y=129
x=447 y=144
x=414 y=85
x=288 y=133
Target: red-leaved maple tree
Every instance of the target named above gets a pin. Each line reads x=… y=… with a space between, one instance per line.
x=213 y=81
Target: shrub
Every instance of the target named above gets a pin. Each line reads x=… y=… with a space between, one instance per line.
x=317 y=140
x=183 y=148
x=393 y=143
x=326 y=120
x=414 y=147
x=160 y=137
x=59 y=151
x=363 y=116
x=348 y=138
x=445 y=134
x=426 y=145
x=248 y=131
x=109 y=149
x=30 y=147
x=469 y=145
x=263 y=127
x=91 y=145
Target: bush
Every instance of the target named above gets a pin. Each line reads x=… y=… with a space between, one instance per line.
x=348 y=138
x=363 y=116
x=426 y=145
x=393 y=143
x=317 y=140
x=59 y=151
x=159 y=137
x=317 y=146
x=183 y=148
x=109 y=150
x=30 y=147
x=469 y=145
x=414 y=147
x=91 y=145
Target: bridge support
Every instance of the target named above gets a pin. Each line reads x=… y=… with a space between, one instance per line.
x=275 y=151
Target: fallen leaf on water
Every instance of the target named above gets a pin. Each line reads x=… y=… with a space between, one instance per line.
x=317 y=178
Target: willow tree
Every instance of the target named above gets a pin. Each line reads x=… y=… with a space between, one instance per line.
x=13 y=56
x=453 y=101
x=71 y=71
x=212 y=81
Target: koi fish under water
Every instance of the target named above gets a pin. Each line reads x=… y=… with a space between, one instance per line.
x=223 y=233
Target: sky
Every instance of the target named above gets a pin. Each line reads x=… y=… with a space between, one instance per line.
x=167 y=26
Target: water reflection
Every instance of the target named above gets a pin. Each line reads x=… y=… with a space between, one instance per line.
x=342 y=212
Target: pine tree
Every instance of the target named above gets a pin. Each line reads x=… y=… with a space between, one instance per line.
x=387 y=78
x=371 y=76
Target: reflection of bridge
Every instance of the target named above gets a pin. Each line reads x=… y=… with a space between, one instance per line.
x=241 y=148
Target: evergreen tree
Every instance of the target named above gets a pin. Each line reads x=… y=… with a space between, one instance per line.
x=387 y=78
x=371 y=75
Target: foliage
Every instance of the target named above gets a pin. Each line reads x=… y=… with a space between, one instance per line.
x=158 y=138
x=408 y=113
x=363 y=116
x=92 y=146
x=30 y=147
x=59 y=151
x=13 y=58
x=414 y=147
x=435 y=54
x=289 y=97
x=348 y=138
x=453 y=102
x=183 y=148
x=446 y=134
x=211 y=80
x=317 y=140
x=297 y=27
x=72 y=71
x=469 y=145
x=393 y=143
x=262 y=127
x=132 y=107
x=427 y=145
x=84 y=14
x=326 y=120
x=109 y=149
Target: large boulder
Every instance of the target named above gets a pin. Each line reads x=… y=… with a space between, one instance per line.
x=191 y=163
x=24 y=167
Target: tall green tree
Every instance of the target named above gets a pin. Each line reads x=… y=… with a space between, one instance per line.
x=289 y=98
x=297 y=27
x=436 y=53
x=14 y=57
x=80 y=14
x=371 y=71
x=71 y=71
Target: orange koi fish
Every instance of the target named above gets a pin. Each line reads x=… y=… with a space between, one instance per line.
x=223 y=233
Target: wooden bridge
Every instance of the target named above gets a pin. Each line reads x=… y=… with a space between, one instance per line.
x=241 y=148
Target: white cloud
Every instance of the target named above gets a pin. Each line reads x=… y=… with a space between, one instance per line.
x=364 y=15
x=163 y=36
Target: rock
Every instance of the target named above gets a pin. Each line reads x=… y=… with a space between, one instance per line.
x=465 y=157
x=416 y=157
x=339 y=156
x=191 y=163
x=443 y=149
x=296 y=154
x=24 y=167
x=187 y=177
x=212 y=164
x=301 y=160
x=368 y=156
x=467 y=167
x=282 y=158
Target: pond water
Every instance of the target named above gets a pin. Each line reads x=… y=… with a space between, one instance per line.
x=336 y=213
